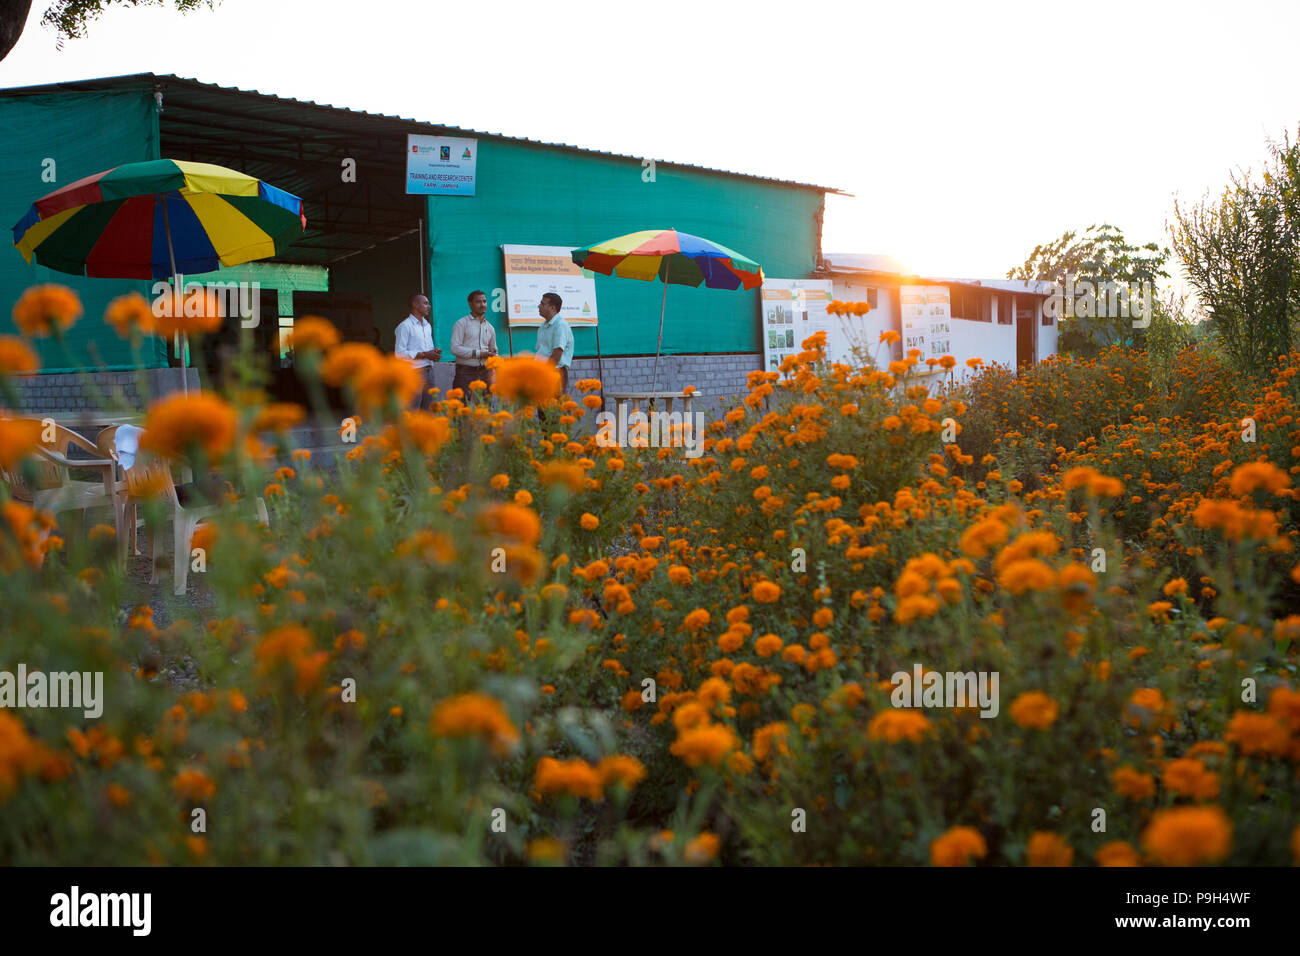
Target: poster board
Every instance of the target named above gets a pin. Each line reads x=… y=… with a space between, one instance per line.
x=926 y=320
x=533 y=270
x=792 y=310
x=440 y=165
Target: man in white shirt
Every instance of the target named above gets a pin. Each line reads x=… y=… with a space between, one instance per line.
x=414 y=342
x=473 y=339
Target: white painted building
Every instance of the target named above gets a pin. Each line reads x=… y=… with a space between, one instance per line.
x=1001 y=321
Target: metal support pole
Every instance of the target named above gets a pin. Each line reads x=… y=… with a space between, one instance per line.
x=660 y=344
x=176 y=282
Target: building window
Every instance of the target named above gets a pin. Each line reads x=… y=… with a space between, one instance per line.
x=873 y=297
x=970 y=304
x=1006 y=310
x=1046 y=319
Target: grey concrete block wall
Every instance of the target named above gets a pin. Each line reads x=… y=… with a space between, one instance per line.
x=714 y=376
x=63 y=392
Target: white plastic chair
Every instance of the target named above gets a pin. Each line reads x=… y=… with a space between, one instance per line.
x=150 y=477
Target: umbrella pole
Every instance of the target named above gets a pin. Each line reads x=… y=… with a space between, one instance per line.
x=176 y=283
x=660 y=344
x=600 y=366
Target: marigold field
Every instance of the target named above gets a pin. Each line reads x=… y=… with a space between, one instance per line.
x=482 y=638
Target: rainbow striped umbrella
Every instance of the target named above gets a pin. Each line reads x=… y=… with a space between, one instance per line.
x=159 y=218
x=672 y=256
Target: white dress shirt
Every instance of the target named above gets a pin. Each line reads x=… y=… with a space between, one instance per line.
x=472 y=340
x=414 y=335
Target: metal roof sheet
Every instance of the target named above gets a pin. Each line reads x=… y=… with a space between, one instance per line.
x=167 y=79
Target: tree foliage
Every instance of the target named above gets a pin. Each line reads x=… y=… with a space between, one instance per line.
x=1241 y=252
x=71 y=18
x=13 y=17
x=1099 y=255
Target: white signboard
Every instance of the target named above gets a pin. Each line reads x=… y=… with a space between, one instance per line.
x=534 y=270
x=440 y=165
x=927 y=320
x=792 y=310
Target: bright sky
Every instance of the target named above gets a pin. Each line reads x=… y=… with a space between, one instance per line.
x=967 y=132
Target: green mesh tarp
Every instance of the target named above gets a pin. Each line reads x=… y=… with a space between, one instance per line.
x=82 y=134
x=537 y=196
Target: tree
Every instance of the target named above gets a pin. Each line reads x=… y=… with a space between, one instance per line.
x=1241 y=253
x=13 y=17
x=1084 y=267
x=70 y=18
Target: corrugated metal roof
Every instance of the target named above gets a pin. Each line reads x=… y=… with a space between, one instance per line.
x=871 y=265
x=125 y=80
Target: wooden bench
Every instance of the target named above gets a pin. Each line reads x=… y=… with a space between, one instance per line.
x=652 y=400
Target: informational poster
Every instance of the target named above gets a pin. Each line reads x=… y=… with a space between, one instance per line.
x=792 y=310
x=534 y=270
x=927 y=320
x=440 y=165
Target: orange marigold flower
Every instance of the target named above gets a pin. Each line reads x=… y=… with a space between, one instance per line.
x=1258 y=474
x=1257 y=734
x=178 y=425
x=130 y=314
x=1188 y=777
x=193 y=785
x=958 y=847
x=702 y=849
x=427 y=432
x=1284 y=704
x=895 y=725
x=1029 y=574
x=19 y=438
x=1034 y=710
x=1048 y=849
x=46 y=310
x=475 y=715
x=770 y=740
x=1188 y=836
x=589 y=522
x=391 y=378
x=767 y=645
x=524 y=378
x=1147 y=707
x=1131 y=783
x=766 y=592
x=344 y=362
x=707 y=743
x=572 y=777
x=621 y=769
x=16 y=358
x=1076 y=584
x=696 y=619
x=983 y=536
x=313 y=333
x=1116 y=853
x=513 y=521
x=191 y=310
x=278 y=417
